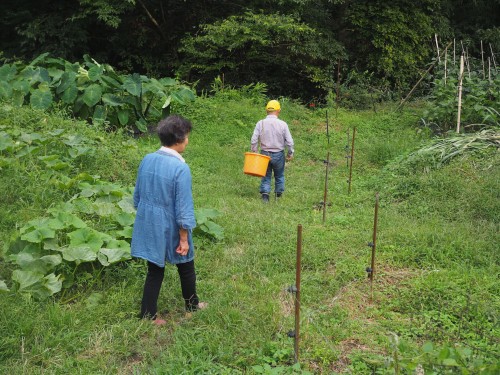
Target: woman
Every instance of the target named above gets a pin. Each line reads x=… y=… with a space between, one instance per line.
x=165 y=216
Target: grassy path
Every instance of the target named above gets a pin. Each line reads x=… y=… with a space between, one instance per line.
x=436 y=260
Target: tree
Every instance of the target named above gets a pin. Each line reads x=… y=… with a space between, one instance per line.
x=277 y=49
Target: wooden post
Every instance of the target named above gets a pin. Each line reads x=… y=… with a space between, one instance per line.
x=374 y=245
x=460 y=79
x=327 y=128
x=351 y=159
x=297 y=293
x=347 y=150
x=326 y=186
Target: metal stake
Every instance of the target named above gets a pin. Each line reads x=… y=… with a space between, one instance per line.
x=327 y=131
x=296 y=289
x=350 y=160
x=373 y=245
x=347 y=150
x=326 y=185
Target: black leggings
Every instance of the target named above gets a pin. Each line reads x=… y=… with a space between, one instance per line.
x=152 y=287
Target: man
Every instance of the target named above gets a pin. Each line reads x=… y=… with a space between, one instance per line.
x=273 y=135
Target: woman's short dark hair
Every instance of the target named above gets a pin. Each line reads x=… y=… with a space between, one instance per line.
x=173 y=129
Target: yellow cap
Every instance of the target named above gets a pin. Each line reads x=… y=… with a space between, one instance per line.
x=273 y=105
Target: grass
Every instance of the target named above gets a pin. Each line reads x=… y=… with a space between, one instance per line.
x=437 y=256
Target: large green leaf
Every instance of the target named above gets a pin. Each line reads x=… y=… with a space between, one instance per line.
x=53 y=162
x=18 y=98
x=69 y=95
x=142 y=125
x=111 y=82
x=67 y=79
x=92 y=95
x=133 y=84
x=125 y=218
x=41 y=98
x=52 y=283
x=26 y=279
x=214 y=229
x=105 y=209
x=40 y=75
x=3 y=286
x=123 y=116
x=127 y=205
x=35 y=263
x=167 y=102
x=87 y=237
x=79 y=254
x=38 y=235
x=113 y=243
x=64 y=220
x=7 y=72
x=110 y=256
x=56 y=74
x=202 y=215
x=21 y=85
x=112 y=100
x=95 y=73
x=5 y=89
x=126 y=232
x=6 y=142
x=99 y=115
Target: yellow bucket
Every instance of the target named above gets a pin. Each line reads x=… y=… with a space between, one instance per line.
x=255 y=164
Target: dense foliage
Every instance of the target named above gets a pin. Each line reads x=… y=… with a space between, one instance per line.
x=480 y=99
x=297 y=47
x=91 y=91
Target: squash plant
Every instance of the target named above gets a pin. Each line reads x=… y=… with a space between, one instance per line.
x=92 y=91
x=82 y=236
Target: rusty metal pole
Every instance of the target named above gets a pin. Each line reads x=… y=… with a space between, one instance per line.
x=326 y=185
x=347 y=150
x=327 y=128
x=297 y=292
x=351 y=160
x=373 y=245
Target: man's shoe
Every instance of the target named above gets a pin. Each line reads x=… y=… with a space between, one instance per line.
x=278 y=195
x=265 y=198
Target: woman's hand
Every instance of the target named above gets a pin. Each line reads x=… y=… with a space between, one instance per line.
x=183 y=248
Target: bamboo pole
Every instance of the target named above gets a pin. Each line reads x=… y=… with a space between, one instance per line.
x=460 y=79
x=467 y=61
x=437 y=47
x=373 y=245
x=297 y=292
x=326 y=186
x=493 y=57
x=482 y=60
x=489 y=70
x=454 y=52
x=445 y=64
x=416 y=84
x=351 y=159
x=337 y=99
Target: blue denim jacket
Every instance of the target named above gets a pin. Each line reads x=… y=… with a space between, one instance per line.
x=164 y=202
